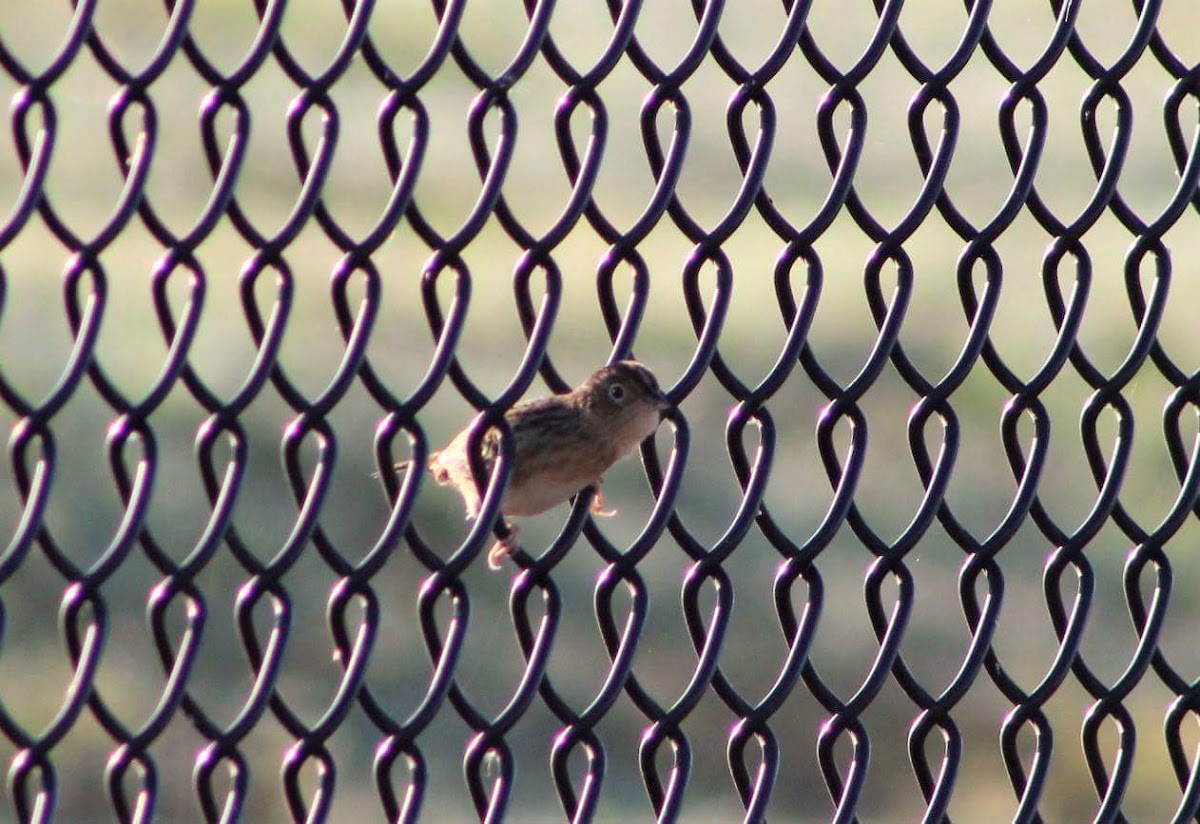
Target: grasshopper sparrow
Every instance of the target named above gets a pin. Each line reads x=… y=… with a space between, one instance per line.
x=564 y=443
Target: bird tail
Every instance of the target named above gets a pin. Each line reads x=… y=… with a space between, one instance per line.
x=397 y=468
x=404 y=465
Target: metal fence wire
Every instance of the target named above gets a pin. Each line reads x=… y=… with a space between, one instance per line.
x=941 y=225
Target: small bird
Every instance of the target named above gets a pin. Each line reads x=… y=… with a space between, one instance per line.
x=563 y=444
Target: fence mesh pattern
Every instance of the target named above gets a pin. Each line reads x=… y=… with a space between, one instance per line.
x=909 y=273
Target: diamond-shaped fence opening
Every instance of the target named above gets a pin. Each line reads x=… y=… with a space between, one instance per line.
x=915 y=541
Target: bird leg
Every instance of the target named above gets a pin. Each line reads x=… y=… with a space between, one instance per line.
x=597 y=507
x=505 y=547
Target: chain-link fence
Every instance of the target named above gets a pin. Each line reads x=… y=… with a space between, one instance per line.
x=915 y=542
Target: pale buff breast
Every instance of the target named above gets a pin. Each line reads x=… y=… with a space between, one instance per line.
x=635 y=430
x=540 y=493
x=555 y=482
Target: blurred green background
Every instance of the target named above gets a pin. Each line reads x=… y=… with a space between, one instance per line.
x=85 y=182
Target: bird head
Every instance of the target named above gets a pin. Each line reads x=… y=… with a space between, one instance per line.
x=625 y=397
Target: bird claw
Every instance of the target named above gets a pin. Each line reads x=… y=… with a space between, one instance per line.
x=499 y=551
x=503 y=548
x=598 y=509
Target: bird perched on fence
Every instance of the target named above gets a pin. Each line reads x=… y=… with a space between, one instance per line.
x=563 y=444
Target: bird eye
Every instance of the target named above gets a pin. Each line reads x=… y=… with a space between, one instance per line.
x=616 y=392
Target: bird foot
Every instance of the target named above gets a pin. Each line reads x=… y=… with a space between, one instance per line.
x=503 y=548
x=598 y=509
